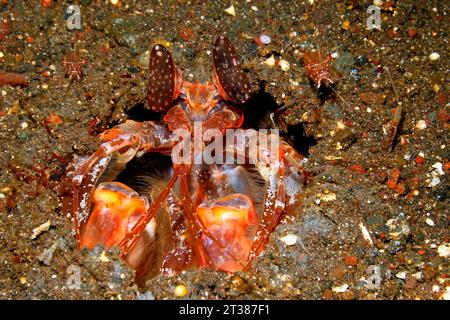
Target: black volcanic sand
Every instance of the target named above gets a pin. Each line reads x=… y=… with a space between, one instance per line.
x=399 y=197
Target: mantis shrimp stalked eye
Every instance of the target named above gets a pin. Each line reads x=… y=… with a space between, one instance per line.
x=228 y=76
x=164 y=80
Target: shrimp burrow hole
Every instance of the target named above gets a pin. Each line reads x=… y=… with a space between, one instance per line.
x=140 y=112
x=257 y=113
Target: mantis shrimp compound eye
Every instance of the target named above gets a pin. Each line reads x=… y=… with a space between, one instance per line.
x=162 y=74
x=229 y=78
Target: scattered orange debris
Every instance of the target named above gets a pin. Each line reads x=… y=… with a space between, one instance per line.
x=186 y=34
x=357 y=168
x=412 y=32
x=400 y=188
x=395 y=174
x=345 y=25
x=116 y=3
x=53 y=118
x=351 y=260
x=413 y=186
x=391 y=184
x=419 y=160
x=447 y=167
x=104 y=48
x=46 y=3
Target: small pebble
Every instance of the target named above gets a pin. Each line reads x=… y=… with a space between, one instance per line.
x=265 y=39
x=254 y=8
x=434 y=56
x=346 y=25
x=378 y=2
x=237 y=283
x=180 y=290
x=366 y=234
x=417 y=275
x=289 y=239
x=444 y=250
x=446 y=295
x=331 y=196
x=434 y=182
x=401 y=275
x=429 y=222
x=231 y=11
x=148 y=295
x=421 y=124
x=103 y=257
x=42 y=228
x=284 y=65
x=439 y=167
x=341 y=125
x=270 y=61
x=340 y=289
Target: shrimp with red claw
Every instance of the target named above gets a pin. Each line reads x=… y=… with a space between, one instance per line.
x=73 y=64
x=388 y=143
x=216 y=214
x=319 y=68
